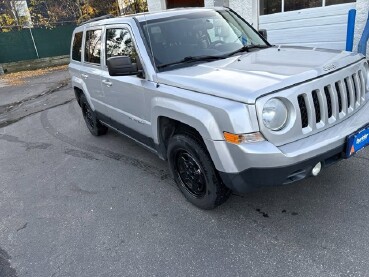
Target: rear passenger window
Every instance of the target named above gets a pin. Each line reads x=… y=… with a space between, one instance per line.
x=77 y=47
x=93 y=46
x=119 y=42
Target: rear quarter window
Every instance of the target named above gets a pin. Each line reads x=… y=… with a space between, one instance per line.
x=77 y=47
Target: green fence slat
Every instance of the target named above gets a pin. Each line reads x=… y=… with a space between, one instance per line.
x=54 y=42
x=16 y=46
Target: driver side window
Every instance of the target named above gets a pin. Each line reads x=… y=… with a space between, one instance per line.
x=119 y=42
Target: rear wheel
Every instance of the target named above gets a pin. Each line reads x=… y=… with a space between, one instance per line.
x=194 y=172
x=93 y=124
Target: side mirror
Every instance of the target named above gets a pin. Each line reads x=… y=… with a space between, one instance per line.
x=121 y=66
x=264 y=33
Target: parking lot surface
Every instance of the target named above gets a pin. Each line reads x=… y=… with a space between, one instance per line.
x=75 y=205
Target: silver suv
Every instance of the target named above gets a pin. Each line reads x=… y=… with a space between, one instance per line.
x=205 y=91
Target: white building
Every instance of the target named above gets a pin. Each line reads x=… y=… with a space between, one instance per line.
x=316 y=23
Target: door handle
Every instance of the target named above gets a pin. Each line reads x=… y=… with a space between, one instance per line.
x=84 y=76
x=107 y=83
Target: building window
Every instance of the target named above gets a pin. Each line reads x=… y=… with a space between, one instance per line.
x=276 y=6
x=334 y=2
x=270 y=6
x=293 y=5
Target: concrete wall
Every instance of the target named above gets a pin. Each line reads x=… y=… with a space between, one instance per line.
x=156 y=5
x=362 y=9
x=211 y=3
x=244 y=8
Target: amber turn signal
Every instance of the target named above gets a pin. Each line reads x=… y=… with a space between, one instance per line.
x=240 y=138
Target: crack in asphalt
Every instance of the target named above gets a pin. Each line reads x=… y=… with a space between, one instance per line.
x=8 y=122
x=23 y=227
x=12 y=113
x=11 y=106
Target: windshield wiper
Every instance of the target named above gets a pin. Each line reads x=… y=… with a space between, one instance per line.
x=191 y=59
x=246 y=48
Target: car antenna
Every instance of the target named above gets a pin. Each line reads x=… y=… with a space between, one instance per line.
x=150 y=45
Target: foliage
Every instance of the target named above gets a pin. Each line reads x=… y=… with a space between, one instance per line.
x=49 y=12
x=6 y=20
x=135 y=6
x=10 y=15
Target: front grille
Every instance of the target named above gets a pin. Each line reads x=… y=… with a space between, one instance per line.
x=316 y=106
x=303 y=111
x=347 y=92
x=337 y=85
x=329 y=101
x=332 y=102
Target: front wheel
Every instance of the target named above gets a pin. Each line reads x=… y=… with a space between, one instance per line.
x=194 y=173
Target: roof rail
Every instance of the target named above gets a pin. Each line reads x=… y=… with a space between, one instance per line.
x=98 y=18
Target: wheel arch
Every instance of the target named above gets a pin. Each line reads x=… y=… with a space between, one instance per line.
x=172 y=118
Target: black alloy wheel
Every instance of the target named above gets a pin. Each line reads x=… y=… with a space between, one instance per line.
x=194 y=172
x=190 y=174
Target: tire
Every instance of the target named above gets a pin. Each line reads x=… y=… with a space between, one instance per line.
x=93 y=124
x=194 y=172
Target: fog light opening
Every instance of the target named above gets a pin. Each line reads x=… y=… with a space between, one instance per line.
x=316 y=169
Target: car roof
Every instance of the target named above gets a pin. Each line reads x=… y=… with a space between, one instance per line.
x=141 y=17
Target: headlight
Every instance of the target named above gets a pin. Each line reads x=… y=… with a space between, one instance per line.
x=275 y=114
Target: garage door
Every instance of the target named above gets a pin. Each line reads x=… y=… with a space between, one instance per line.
x=316 y=27
x=184 y=3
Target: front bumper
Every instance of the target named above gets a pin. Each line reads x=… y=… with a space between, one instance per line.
x=253 y=178
x=248 y=166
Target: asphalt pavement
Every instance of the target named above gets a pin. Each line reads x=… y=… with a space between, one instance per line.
x=76 y=205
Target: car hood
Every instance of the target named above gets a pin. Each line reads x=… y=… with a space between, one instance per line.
x=246 y=77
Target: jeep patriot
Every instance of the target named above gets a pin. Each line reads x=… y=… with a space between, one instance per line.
x=227 y=110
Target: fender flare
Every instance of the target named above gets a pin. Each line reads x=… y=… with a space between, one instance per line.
x=79 y=83
x=194 y=116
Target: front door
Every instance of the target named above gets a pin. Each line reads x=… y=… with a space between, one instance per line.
x=124 y=96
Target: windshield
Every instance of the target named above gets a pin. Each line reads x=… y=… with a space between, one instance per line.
x=179 y=39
